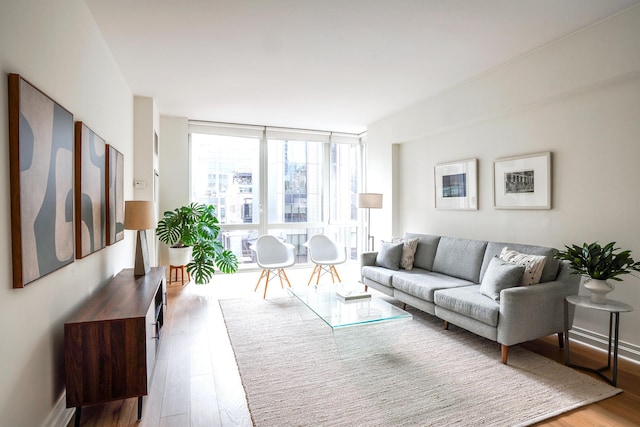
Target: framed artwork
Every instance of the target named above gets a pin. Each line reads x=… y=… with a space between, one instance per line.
x=41 y=173
x=456 y=185
x=115 y=195
x=90 y=192
x=522 y=182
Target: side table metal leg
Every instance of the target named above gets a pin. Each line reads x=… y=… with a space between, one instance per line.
x=610 y=340
x=615 y=350
x=566 y=332
x=78 y=415
x=139 y=408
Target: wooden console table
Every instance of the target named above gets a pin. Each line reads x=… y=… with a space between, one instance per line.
x=110 y=343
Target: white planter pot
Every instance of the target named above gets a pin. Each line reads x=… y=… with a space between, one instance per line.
x=180 y=256
x=599 y=290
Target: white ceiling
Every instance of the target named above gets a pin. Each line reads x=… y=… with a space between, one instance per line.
x=322 y=64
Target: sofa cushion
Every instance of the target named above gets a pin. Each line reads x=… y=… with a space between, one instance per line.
x=378 y=274
x=422 y=283
x=468 y=301
x=533 y=265
x=551 y=266
x=426 y=250
x=408 y=251
x=460 y=258
x=500 y=275
x=389 y=255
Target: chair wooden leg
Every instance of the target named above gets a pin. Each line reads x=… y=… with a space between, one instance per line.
x=266 y=285
x=258 y=284
x=319 y=274
x=334 y=271
x=313 y=273
x=505 y=353
x=286 y=278
x=279 y=273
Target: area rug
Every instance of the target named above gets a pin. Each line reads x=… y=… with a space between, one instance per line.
x=297 y=372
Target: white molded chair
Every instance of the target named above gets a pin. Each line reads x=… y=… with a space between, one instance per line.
x=273 y=256
x=325 y=254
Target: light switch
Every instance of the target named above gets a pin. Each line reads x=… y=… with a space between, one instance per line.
x=140 y=184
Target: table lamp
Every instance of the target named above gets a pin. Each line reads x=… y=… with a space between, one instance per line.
x=369 y=201
x=140 y=215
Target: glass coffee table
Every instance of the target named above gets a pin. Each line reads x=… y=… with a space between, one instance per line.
x=324 y=300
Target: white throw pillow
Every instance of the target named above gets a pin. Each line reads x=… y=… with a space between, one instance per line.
x=533 y=264
x=409 y=247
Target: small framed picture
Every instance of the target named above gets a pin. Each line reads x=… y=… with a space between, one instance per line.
x=456 y=185
x=522 y=182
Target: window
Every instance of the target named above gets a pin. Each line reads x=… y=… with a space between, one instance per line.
x=272 y=181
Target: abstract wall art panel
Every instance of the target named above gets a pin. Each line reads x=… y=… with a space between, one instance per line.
x=41 y=154
x=115 y=195
x=90 y=191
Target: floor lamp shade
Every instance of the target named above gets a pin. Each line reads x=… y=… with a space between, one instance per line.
x=369 y=201
x=140 y=215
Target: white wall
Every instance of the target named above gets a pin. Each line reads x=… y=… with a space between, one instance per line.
x=58 y=48
x=578 y=98
x=174 y=168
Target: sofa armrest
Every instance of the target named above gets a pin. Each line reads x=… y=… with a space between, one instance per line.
x=530 y=312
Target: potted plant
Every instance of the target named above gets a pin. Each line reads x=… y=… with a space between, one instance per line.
x=195 y=226
x=599 y=264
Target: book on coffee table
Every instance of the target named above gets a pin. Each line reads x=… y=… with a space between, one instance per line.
x=348 y=295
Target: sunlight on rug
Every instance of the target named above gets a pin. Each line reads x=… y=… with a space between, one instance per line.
x=297 y=372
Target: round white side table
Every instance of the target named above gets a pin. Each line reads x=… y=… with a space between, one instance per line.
x=614 y=308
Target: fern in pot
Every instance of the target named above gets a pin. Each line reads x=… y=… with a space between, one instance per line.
x=599 y=264
x=196 y=226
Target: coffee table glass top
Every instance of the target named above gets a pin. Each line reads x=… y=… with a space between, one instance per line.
x=337 y=313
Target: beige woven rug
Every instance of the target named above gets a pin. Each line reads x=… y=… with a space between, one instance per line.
x=297 y=372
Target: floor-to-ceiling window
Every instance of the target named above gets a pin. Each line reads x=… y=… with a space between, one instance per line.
x=288 y=183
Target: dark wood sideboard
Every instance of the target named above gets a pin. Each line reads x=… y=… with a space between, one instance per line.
x=110 y=343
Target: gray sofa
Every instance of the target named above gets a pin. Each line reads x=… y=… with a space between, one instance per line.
x=446 y=282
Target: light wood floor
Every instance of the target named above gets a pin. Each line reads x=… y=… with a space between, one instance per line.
x=196 y=382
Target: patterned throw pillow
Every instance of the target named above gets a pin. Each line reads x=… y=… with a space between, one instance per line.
x=533 y=264
x=409 y=247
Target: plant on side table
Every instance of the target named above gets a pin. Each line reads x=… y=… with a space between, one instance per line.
x=599 y=264
x=196 y=226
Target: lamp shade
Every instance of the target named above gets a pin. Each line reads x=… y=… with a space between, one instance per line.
x=370 y=200
x=139 y=215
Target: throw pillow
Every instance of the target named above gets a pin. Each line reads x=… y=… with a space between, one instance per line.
x=408 y=251
x=500 y=275
x=389 y=255
x=533 y=264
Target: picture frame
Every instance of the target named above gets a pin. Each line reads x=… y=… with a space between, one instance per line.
x=456 y=185
x=41 y=154
x=90 y=191
x=115 y=195
x=522 y=182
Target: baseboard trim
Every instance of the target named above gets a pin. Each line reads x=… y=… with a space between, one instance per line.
x=593 y=339
x=60 y=415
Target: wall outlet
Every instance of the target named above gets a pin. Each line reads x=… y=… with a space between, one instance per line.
x=140 y=184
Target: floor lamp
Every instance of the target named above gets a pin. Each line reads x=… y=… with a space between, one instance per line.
x=369 y=201
x=141 y=216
